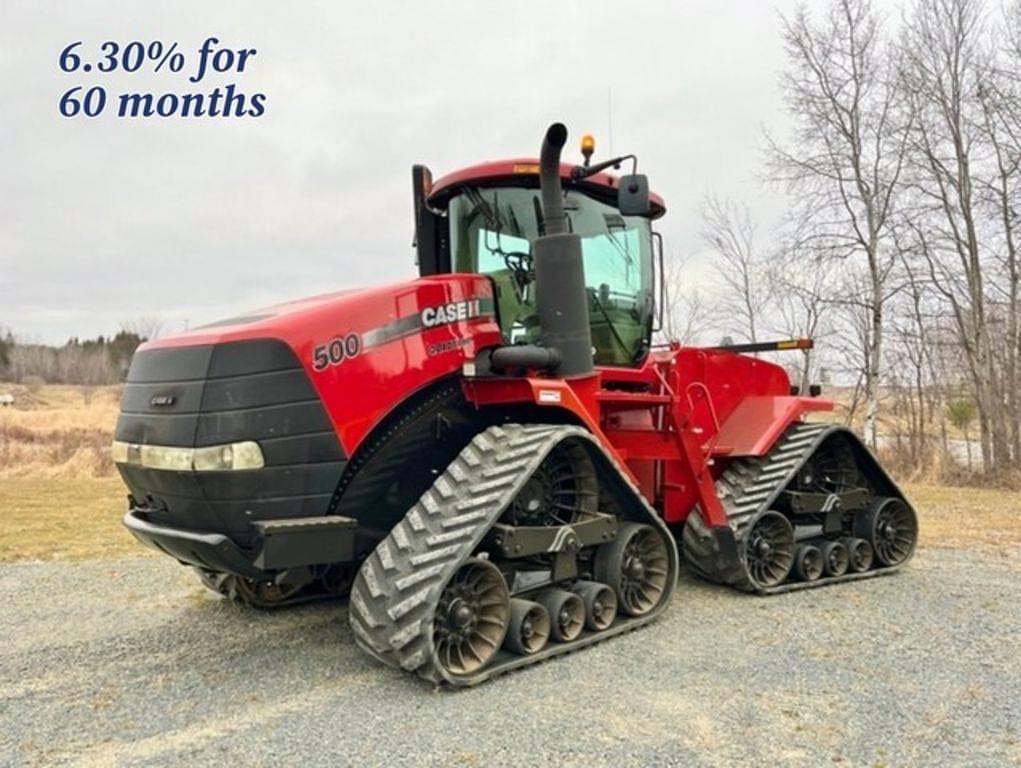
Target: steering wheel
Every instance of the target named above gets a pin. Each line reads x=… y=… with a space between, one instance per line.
x=520 y=265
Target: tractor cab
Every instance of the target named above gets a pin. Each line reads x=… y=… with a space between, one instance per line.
x=485 y=219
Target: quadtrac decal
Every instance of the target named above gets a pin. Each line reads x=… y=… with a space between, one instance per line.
x=350 y=345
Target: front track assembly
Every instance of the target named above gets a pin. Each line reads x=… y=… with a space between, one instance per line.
x=461 y=591
x=817 y=509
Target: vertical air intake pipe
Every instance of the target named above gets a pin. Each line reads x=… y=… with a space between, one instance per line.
x=560 y=294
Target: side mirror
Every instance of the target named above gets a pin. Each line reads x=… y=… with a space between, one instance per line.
x=633 y=195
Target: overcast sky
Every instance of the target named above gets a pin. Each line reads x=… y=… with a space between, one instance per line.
x=195 y=219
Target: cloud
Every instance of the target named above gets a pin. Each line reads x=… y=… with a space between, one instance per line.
x=195 y=219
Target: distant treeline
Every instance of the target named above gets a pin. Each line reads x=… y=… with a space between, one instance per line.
x=86 y=362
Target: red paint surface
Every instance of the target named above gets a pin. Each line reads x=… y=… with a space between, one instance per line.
x=512 y=171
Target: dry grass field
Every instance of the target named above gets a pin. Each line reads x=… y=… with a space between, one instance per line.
x=57 y=431
x=60 y=497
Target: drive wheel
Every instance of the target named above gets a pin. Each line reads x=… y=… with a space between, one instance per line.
x=472 y=618
x=891 y=527
x=635 y=565
x=769 y=550
x=830 y=469
x=562 y=490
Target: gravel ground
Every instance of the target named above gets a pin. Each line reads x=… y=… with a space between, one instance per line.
x=130 y=662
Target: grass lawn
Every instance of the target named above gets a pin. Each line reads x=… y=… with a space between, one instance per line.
x=967 y=517
x=73 y=518
x=44 y=518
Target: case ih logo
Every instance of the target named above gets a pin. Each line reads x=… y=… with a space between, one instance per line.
x=451 y=313
x=350 y=345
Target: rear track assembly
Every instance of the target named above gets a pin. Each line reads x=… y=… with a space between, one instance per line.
x=760 y=494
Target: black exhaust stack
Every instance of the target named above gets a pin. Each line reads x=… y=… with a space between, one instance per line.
x=560 y=293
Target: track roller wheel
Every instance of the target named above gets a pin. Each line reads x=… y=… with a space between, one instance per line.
x=567 y=613
x=859 y=553
x=769 y=550
x=808 y=562
x=834 y=558
x=472 y=617
x=891 y=527
x=635 y=566
x=600 y=604
x=529 y=627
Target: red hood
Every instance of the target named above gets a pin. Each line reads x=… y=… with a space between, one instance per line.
x=403 y=335
x=267 y=322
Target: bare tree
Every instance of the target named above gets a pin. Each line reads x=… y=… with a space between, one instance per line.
x=957 y=172
x=686 y=314
x=143 y=326
x=845 y=160
x=802 y=302
x=729 y=232
x=999 y=97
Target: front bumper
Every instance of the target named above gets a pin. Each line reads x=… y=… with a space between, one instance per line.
x=279 y=545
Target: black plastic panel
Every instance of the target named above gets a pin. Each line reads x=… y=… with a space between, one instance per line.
x=157 y=428
x=259 y=423
x=244 y=357
x=171 y=364
x=186 y=397
x=302 y=449
x=253 y=390
x=271 y=482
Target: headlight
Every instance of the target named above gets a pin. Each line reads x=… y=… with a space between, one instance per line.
x=215 y=458
x=120 y=452
x=247 y=455
x=162 y=457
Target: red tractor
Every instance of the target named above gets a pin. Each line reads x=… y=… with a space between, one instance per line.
x=494 y=460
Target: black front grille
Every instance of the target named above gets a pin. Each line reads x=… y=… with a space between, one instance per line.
x=225 y=393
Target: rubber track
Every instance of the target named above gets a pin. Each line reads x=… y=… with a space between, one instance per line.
x=398 y=588
x=749 y=486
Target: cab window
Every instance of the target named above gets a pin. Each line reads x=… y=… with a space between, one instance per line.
x=491 y=231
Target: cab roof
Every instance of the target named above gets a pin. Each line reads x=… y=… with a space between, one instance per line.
x=524 y=172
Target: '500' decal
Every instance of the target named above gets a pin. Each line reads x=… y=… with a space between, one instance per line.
x=336 y=351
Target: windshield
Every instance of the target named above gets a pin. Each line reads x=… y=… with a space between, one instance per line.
x=491 y=231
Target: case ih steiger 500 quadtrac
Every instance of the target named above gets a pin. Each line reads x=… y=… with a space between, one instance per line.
x=493 y=459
